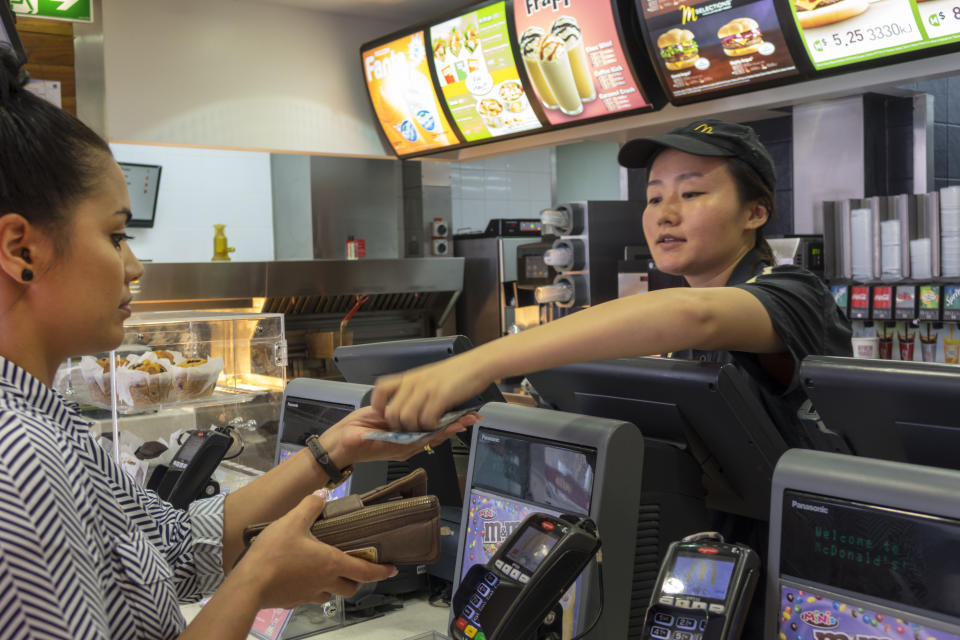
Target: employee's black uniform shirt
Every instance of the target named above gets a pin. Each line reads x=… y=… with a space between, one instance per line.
x=808 y=322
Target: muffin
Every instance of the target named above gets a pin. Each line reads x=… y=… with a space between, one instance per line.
x=149 y=382
x=196 y=377
x=96 y=373
x=166 y=355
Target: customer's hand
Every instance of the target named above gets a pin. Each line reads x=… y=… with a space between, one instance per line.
x=288 y=567
x=416 y=399
x=346 y=444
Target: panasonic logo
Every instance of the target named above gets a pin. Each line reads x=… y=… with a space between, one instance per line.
x=808 y=507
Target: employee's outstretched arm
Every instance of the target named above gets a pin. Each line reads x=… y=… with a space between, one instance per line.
x=658 y=322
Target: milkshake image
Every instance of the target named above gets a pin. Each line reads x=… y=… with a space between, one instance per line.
x=530 y=52
x=556 y=69
x=928 y=343
x=567 y=29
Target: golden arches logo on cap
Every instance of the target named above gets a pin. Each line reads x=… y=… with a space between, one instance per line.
x=703 y=127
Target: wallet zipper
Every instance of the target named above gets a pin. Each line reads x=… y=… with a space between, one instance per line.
x=375 y=512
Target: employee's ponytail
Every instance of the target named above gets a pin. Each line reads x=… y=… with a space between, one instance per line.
x=48 y=158
x=752 y=188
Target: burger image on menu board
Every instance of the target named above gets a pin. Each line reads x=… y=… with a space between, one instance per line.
x=678 y=49
x=740 y=37
x=816 y=13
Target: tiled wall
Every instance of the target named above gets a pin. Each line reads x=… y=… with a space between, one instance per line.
x=946 y=104
x=512 y=186
x=588 y=171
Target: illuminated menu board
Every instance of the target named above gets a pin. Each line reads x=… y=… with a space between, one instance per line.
x=843 y=32
x=705 y=47
x=403 y=97
x=574 y=59
x=478 y=75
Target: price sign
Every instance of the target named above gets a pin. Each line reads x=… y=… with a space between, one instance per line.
x=843 y=32
x=940 y=18
x=882 y=26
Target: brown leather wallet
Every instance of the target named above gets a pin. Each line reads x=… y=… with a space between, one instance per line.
x=393 y=524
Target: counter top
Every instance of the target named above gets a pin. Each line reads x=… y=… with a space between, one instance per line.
x=417 y=617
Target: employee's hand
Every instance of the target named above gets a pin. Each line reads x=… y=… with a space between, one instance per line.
x=346 y=444
x=416 y=399
x=288 y=567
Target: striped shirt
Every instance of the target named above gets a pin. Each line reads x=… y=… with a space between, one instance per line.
x=85 y=552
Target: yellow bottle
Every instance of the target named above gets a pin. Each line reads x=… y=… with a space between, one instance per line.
x=221 y=252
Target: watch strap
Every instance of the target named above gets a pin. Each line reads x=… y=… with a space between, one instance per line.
x=336 y=475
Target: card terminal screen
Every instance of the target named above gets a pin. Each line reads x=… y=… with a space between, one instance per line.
x=699 y=575
x=531 y=548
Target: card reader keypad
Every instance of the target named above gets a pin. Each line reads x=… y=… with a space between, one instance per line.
x=670 y=626
x=467 y=622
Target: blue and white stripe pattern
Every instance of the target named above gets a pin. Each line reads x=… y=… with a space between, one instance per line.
x=84 y=551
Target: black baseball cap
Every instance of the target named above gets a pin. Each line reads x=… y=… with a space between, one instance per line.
x=708 y=137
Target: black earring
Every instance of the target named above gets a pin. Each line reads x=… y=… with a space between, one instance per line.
x=27 y=275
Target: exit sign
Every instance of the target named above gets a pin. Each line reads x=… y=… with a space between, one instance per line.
x=72 y=10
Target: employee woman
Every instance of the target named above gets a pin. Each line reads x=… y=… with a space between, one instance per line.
x=710 y=193
x=84 y=551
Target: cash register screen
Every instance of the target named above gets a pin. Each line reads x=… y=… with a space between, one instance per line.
x=699 y=575
x=888 y=556
x=535 y=471
x=514 y=476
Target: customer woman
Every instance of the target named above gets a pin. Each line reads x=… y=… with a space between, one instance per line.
x=84 y=551
x=710 y=192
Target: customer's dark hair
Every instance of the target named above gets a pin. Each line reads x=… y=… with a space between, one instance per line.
x=48 y=158
x=752 y=188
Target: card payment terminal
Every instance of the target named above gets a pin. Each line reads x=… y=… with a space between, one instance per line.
x=703 y=590
x=509 y=597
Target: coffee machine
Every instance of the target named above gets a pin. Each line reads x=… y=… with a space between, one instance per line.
x=588 y=239
x=491 y=302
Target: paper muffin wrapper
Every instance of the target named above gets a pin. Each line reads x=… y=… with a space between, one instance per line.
x=134 y=388
x=197 y=382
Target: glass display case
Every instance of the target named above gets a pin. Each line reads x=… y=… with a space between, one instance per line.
x=178 y=371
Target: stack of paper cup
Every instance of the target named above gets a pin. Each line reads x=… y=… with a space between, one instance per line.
x=890 y=250
x=921 y=262
x=861 y=241
x=950 y=231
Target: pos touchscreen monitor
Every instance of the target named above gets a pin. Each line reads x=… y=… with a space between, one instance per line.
x=477 y=73
x=901 y=411
x=576 y=59
x=705 y=408
x=710 y=48
x=404 y=100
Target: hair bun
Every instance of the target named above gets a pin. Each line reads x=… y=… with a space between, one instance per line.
x=13 y=75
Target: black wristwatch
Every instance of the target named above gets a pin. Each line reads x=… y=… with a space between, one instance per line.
x=337 y=475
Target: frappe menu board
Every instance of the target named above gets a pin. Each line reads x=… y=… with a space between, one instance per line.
x=478 y=75
x=709 y=46
x=843 y=32
x=574 y=59
x=403 y=97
